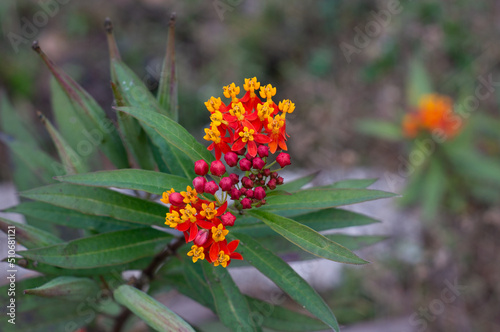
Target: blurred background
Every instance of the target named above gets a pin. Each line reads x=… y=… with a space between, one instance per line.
x=339 y=62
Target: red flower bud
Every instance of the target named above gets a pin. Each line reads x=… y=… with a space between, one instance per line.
x=246 y=182
x=263 y=151
x=235 y=194
x=228 y=219
x=234 y=177
x=271 y=184
x=201 y=167
x=241 y=151
x=217 y=168
x=258 y=163
x=279 y=180
x=246 y=203
x=199 y=184
x=283 y=159
x=245 y=164
x=267 y=172
x=231 y=158
x=259 y=193
x=249 y=157
x=176 y=199
x=249 y=193
x=211 y=187
x=201 y=237
x=226 y=183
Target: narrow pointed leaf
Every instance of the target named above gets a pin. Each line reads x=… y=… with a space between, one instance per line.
x=231 y=306
x=322 y=198
x=67 y=288
x=286 y=278
x=283 y=319
x=14 y=124
x=27 y=235
x=353 y=184
x=72 y=161
x=100 y=202
x=307 y=238
x=106 y=249
x=48 y=213
x=321 y=220
x=149 y=181
x=167 y=89
x=150 y=310
x=171 y=131
x=67 y=120
x=101 y=131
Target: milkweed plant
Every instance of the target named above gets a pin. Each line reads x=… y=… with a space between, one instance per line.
x=451 y=163
x=178 y=212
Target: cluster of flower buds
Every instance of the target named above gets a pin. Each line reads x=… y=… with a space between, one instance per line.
x=246 y=132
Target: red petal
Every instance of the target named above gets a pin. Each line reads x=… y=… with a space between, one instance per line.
x=233 y=245
x=259 y=138
x=222 y=209
x=273 y=146
x=184 y=226
x=252 y=148
x=205 y=224
x=238 y=145
x=283 y=145
x=193 y=231
x=223 y=246
x=214 y=251
x=186 y=236
x=236 y=255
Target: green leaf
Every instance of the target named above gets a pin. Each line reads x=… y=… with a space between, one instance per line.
x=286 y=278
x=356 y=242
x=72 y=161
x=322 y=198
x=33 y=167
x=27 y=235
x=67 y=120
x=307 y=238
x=48 y=213
x=15 y=125
x=106 y=249
x=380 y=129
x=298 y=183
x=171 y=131
x=418 y=83
x=67 y=288
x=167 y=89
x=151 y=311
x=100 y=202
x=434 y=186
x=196 y=282
x=353 y=183
x=137 y=179
x=231 y=306
x=320 y=220
x=282 y=319
x=100 y=130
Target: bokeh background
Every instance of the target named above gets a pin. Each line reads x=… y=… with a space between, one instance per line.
x=339 y=61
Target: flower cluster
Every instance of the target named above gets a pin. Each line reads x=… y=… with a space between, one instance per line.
x=434 y=112
x=246 y=132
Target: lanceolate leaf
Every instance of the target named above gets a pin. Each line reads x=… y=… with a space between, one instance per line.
x=286 y=278
x=307 y=238
x=171 y=131
x=101 y=131
x=322 y=198
x=100 y=202
x=27 y=235
x=48 y=213
x=353 y=184
x=167 y=90
x=14 y=125
x=320 y=220
x=298 y=183
x=67 y=288
x=232 y=307
x=72 y=162
x=103 y=249
x=137 y=179
x=151 y=311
